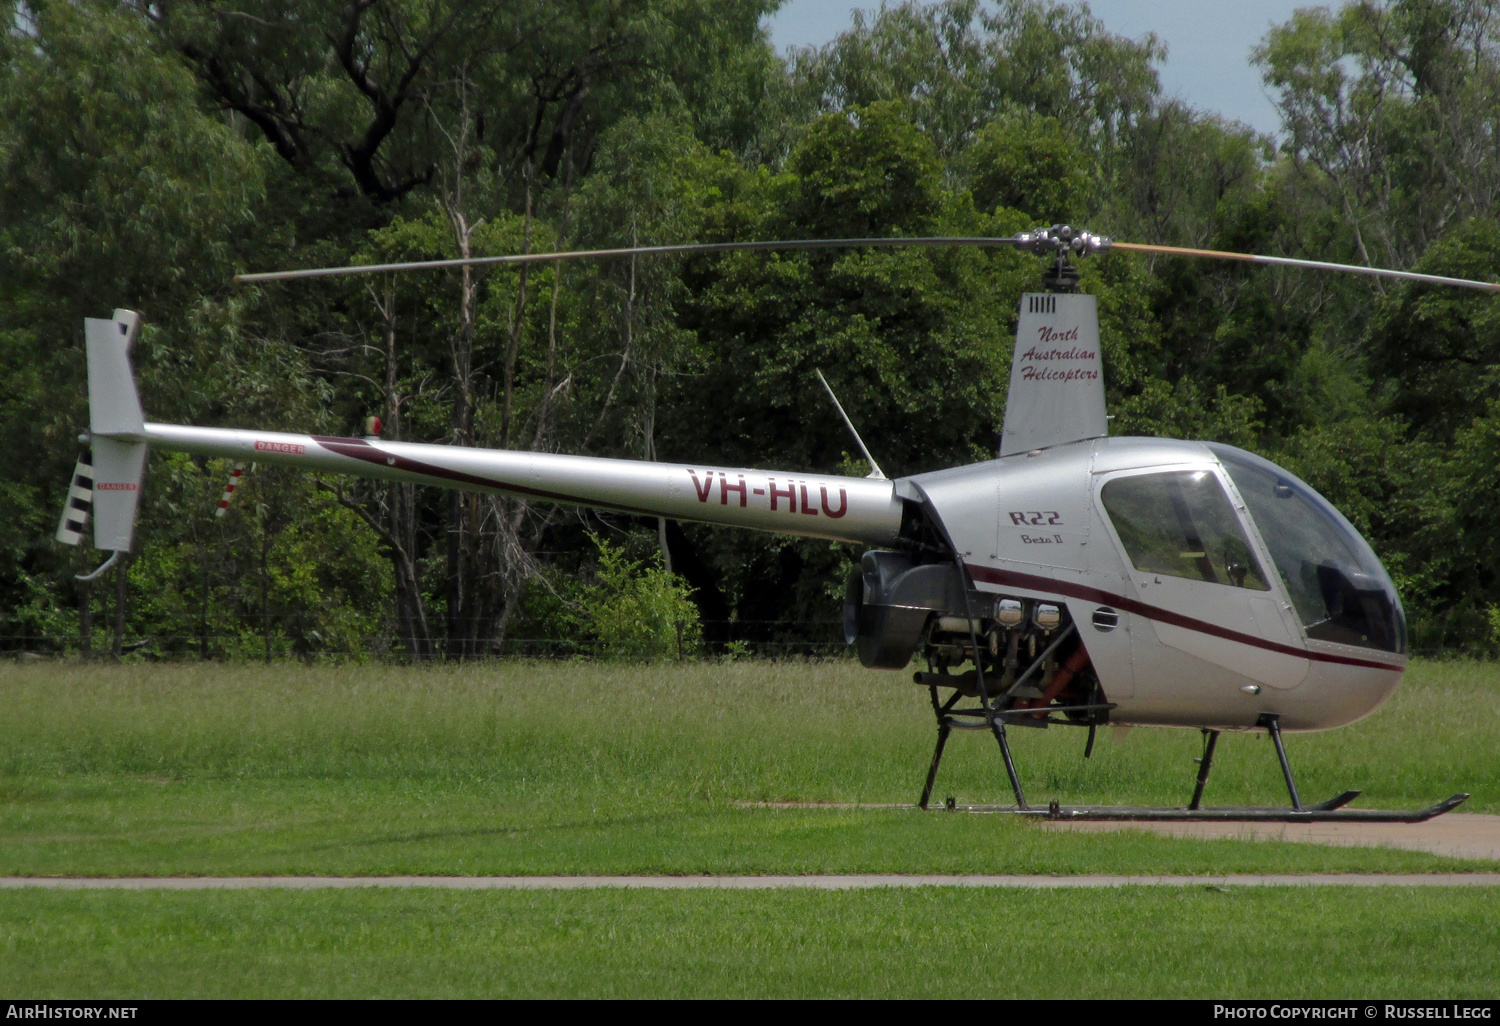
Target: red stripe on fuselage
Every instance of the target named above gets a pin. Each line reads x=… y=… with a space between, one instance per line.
x=359 y=449
x=1031 y=582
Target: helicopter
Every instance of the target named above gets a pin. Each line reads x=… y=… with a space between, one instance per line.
x=1077 y=579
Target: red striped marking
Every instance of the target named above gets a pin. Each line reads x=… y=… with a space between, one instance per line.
x=228 y=490
x=1031 y=582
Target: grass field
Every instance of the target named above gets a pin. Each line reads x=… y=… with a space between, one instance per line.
x=572 y=768
x=1140 y=942
x=576 y=768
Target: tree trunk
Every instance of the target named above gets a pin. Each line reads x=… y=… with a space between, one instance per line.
x=265 y=587
x=463 y=528
x=400 y=530
x=517 y=324
x=85 y=621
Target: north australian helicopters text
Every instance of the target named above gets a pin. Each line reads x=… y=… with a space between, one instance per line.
x=1050 y=336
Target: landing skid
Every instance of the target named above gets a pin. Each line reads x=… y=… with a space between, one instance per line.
x=995 y=718
x=1331 y=811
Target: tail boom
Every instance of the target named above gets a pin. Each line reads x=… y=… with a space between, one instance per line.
x=837 y=508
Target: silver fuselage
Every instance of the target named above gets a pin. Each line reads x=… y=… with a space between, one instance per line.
x=1182 y=652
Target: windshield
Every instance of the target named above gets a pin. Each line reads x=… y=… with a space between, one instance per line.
x=1336 y=583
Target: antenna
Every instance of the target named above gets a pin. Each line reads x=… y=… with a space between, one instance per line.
x=875 y=471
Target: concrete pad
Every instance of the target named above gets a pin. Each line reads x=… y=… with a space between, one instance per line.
x=1457 y=834
x=1461 y=835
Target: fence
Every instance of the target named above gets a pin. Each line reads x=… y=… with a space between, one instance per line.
x=765 y=639
x=778 y=639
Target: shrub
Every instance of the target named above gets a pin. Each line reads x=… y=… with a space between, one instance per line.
x=637 y=610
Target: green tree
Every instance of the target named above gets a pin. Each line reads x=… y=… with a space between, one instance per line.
x=116 y=190
x=1437 y=346
x=465 y=129
x=960 y=62
x=1025 y=162
x=915 y=342
x=1387 y=108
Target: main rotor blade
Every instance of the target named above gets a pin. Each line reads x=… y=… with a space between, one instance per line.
x=695 y=247
x=1317 y=265
x=1040 y=241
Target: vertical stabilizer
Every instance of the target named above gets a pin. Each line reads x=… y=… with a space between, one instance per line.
x=114 y=406
x=117 y=427
x=118 y=467
x=1056 y=377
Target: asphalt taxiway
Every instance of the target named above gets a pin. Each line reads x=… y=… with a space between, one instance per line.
x=844 y=882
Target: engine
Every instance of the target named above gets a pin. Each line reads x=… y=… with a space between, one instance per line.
x=896 y=607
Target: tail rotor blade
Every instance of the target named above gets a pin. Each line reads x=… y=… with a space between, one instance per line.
x=234 y=482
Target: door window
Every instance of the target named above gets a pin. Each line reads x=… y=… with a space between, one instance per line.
x=1181 y=524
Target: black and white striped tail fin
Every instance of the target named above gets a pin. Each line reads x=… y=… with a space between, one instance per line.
x=75 y=516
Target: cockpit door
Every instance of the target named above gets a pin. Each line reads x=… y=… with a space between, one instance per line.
x=1195 y=574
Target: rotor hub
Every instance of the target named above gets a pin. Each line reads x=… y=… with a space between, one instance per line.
x=1062 y=241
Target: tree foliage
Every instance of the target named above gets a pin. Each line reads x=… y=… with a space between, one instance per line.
x=148 y=151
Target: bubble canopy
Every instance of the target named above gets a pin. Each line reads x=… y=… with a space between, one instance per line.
x=1339 y=589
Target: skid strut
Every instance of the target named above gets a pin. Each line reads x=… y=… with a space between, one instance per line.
x=944 y=729
x=987 y=717
x=1268 y=720
x=1210 y=739
x=947 y=717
